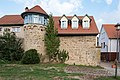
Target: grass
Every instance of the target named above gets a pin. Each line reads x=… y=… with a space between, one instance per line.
x=108 y=78
x=34 y=72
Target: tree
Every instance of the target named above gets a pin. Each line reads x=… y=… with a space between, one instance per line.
x=11 y=47
x=52 y=41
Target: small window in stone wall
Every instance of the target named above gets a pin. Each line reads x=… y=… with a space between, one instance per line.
x=16 y=29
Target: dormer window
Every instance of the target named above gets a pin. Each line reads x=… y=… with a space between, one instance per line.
x=75 y=24
x=86 y=22
x=75 y=21
x=64 y=22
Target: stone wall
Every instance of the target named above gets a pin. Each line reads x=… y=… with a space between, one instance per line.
x=82 y=50
x=34 y=37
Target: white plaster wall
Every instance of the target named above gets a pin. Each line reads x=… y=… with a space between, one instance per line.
x=18 y=34
x=104 y=38
x=112 y=46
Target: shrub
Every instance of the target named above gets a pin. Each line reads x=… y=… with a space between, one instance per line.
x=30 y=57
x=11 y=47
x=63 y=56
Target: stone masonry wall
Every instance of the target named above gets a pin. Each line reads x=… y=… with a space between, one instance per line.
x=34 y=37
x=82 y=50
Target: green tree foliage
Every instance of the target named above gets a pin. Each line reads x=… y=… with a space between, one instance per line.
x=30 y=57
x=10 y=47
x=52 y=41
x=63 y=56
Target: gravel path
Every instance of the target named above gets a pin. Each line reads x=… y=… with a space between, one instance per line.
x=90 y=73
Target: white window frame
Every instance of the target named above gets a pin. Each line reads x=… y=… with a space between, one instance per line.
x=36 y=18
x=86 y=24
x=75 y=24
x=30 y=19
x=16 y=29
x=26 y=19
x=64 y=24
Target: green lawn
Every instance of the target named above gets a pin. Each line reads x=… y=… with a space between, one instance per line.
x=34 y=72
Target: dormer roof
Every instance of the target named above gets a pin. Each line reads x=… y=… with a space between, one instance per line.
x=87 y=16
x=93 y=30
x=75 y=16
x=64 y=16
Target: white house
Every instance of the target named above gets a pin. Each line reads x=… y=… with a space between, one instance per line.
x=108 y=42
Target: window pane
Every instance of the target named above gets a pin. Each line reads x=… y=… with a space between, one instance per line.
x=16 y=29
x=30 y=18
x=74 y=24
x=86 y=24
x=41 y=20
x=64 y=24
x=36 y=18
x=26 y=19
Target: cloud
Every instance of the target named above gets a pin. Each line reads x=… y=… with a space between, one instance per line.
x=109 y=2
x=99 y=23
x=112 y=17
x=28 y=3
x=1 y=13
x=58 y=7
x=99 y=1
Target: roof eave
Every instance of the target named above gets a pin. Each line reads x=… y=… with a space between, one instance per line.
x=23 y=14
x=11 y=24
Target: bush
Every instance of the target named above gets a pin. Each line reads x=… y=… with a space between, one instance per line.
x=11 y=47
x=30 y=57
x=63 y=56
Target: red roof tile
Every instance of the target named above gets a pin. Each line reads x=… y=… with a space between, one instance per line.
x=38 y=9
x=92 y=30
x=110 y=30
x=11 y=19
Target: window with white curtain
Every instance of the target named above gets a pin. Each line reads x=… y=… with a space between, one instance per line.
x=16 y=29
x=63 y=24
x=75 y=24
x=26 y=19
x=36 y=18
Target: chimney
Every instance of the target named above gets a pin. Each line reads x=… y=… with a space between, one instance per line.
x=26 y=9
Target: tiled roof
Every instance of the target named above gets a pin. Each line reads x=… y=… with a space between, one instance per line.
x=92 y=30
x=38 y=9
x=110 y=30
x=11 y=19
x=17 y=19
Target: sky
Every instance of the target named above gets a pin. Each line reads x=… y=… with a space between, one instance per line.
x=103 y=11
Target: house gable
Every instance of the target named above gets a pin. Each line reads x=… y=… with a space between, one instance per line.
x=64 y=22
x=75 y=22
x=86 y=22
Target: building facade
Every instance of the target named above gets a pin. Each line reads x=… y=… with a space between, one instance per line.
x=108 y=42
x=77 y=34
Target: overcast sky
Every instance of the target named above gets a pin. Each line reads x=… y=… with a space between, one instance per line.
x=104 y=11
